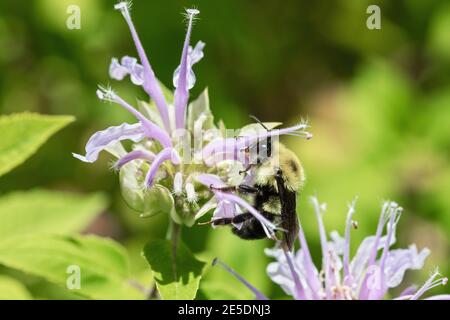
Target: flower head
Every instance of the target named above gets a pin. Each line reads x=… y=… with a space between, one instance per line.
x=177 y=149
x=369 y=275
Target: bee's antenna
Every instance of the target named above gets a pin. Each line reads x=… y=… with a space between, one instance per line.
x=257 y=120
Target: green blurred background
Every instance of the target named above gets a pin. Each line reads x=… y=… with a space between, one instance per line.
x=378 y=102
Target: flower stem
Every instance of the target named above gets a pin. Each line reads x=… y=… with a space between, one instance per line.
x=173 y=234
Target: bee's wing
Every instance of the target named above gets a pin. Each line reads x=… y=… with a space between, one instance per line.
x=289 y=220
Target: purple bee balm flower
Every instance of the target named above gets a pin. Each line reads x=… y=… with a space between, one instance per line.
x=369 y=275
x=162 y=155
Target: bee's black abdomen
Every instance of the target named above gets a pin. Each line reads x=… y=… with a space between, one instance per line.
x=252 y=229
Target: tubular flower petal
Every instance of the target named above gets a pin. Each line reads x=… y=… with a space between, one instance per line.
x=151 y=130
x=183 y=84
x=194 y=55
x=134 y=155
x=166 y=154
x=127 y=66
x=101 y=140
x=150 y=84
x=232 y=148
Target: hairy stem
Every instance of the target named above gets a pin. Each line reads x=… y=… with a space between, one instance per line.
x=173 y=234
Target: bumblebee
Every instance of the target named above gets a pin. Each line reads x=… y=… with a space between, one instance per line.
x=277 y=179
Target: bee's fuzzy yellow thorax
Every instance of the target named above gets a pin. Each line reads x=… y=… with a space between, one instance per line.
x=289 y=164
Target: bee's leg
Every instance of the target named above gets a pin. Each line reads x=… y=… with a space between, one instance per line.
x=239 y=218
x=248 y=189
x=242 y=188
x=224 y=221
x=236 y=219
x=224 y=189
x=246 y=169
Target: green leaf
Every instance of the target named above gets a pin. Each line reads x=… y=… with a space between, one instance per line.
x=23 y=134
x=41 y=289
x=40 y=211
x=177 y=277
x=103 y=263
x=11 y=289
